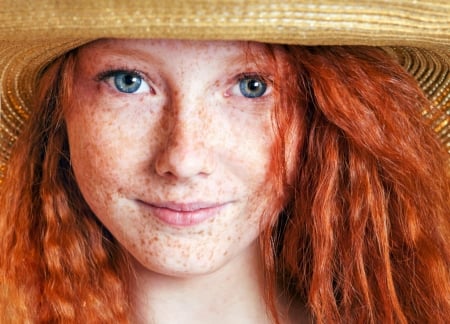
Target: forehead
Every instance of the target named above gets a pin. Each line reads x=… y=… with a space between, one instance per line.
x=167 y=49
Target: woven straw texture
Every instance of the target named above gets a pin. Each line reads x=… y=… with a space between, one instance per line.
x=371 y=22
x=33 y=33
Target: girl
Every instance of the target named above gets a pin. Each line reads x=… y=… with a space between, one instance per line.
x=170 y=181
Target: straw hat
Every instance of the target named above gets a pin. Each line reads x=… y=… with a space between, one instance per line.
x=33 y=33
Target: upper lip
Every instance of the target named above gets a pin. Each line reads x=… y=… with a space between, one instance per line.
x=185 y=206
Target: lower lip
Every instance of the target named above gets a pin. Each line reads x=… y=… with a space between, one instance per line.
x=184 y=218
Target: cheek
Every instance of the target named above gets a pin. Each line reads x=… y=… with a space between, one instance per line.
x=93 y=171
x=97 y=151
x=88 y=151
x=250 y=146
x=110 y=140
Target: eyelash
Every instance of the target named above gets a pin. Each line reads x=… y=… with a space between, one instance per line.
x=261 y=76
x=102 y=76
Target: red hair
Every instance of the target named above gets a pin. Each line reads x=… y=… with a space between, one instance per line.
x=57 y=264
x=363 y=236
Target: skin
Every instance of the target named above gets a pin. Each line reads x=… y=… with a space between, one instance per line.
x=179 y=171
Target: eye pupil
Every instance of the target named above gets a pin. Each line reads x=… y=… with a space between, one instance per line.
x=129 y=79
x=127 y=82
x=252 y=87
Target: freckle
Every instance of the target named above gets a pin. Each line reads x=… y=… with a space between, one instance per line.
x=229 y=238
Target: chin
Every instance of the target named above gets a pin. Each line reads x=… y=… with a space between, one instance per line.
x=180 y=268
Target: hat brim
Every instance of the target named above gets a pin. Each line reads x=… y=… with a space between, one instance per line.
x=325 y=22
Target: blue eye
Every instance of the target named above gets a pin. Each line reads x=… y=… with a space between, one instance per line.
x=129 y=82
x=125 y=81
x=252 y=87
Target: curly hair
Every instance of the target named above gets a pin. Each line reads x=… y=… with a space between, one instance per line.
x=363 y=238
x=58 y=263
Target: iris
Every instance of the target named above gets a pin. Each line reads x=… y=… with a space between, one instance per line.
x=127 y=82
x=252 y=87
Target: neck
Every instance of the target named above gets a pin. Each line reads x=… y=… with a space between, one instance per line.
x=231 y=294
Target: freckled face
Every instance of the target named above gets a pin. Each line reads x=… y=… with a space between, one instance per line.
x=170 y=143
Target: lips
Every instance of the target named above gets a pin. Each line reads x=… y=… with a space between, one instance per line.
x=183 y=214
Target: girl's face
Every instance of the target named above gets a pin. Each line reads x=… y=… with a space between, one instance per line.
x=170 y=143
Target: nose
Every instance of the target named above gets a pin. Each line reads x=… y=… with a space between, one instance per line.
x=186 y=151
